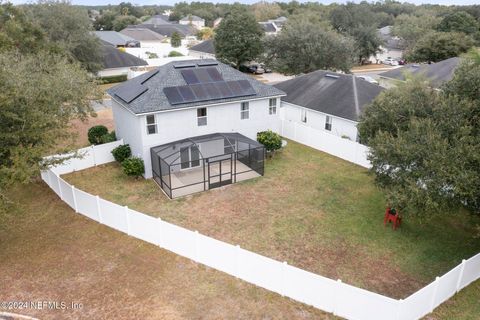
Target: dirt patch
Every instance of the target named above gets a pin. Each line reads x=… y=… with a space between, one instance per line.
x=104 y=117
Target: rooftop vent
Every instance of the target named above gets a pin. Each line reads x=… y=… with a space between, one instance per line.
x=333 y=76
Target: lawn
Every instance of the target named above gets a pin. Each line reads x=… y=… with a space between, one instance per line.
x=312 y=210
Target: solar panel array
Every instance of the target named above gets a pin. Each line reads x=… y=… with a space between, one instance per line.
x=201 y=75
x=131 y=92
x=208 y=91
x=207 y=63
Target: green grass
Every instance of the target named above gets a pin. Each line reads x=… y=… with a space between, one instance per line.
x=314 y=211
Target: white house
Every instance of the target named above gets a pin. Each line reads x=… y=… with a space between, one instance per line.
x=116 y=62
x=194 y=21
x=327 y=101
x=203 y=50
x=188 y=99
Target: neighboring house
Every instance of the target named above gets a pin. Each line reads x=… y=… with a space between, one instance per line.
x=217 y=22
x=188 y=99
x=194 y=21
x=327 y=101
x=436 y=73
x=146 y=37
x=158 y=19
x=116 y=39
x=117 y=62
x=167 y=29
x=392 y=47
x=273 y=26
x=203 y=50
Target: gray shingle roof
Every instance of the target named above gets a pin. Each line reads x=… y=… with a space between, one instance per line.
x=341 y=95
x=436 y=73
x=168 y=29
x=142 y=34
x=206 y=46
x=113 y=37
x=158 y=19
x=156 y=80
x=192 y=18
x=268 y=27
x=114 y=58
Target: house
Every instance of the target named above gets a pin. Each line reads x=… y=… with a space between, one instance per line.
x=194 y=21
x=158 y=19
x=327 y=101
x=116 y=62
x=146 y=37
x=392 y=46
x=203 y=111
x=167 y=29
x=203 y=50
x=116 y=39
x=273 y=26
x=436 y=73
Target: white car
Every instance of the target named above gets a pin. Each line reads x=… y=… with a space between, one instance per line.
x=368 y=79
x=391 y=62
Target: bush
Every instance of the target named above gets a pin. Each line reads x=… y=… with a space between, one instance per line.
x=175 y=54
x=114 y=79
x=96 y=133
x=133 y=166
x=271 y=140
x=109 y=137
x=122 y=152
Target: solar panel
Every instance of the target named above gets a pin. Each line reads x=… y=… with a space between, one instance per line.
x=189 y=76
x=184 y=65
x=207 y=63
x=203 y=75
x=212 y=91
x=214 y=74
x=247 y=88
x=200 y=92
x=173 y=95
x=224 y=90
x=235 y=87
x=151 y=75
x=131 y=92
x=187 y=93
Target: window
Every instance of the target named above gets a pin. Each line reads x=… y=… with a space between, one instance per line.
x=304 y=115
x=202 y=116
x=272 y=106
x=151 y=124
x=328 y=123
x=244 y=110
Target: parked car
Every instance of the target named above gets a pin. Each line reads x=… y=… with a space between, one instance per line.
x=391 y=62
x=254 y=68
x=369 y=79
x=402 y=62
x=266 y=69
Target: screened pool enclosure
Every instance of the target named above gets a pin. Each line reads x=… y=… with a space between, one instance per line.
x=205 y=162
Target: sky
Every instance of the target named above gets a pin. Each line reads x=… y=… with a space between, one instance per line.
x=172 y=2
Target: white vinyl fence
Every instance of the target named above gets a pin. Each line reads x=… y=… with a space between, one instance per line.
x=323 y=293
x=326 y=142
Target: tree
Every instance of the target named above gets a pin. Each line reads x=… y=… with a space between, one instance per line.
x=176 y=40
x=367 y=43
x=205 y=33
x=238 y=39
x=68 y=28
x=466 y=79
x=410 y=28
x=39 y=95
x=264 y=11
x=424 y=148
x=304 y=47
x=104 y=21
x=437 y=46
x=459 y=22
x=121 y=22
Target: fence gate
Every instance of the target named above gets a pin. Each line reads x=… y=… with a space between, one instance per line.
x=220 y=171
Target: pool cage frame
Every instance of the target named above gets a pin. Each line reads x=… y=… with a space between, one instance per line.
x=206 y=162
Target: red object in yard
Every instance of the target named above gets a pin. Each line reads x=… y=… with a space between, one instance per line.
x=393 y=217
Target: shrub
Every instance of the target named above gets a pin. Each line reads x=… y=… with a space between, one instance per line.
x=133 y=166
x=114 y=79
x=122 y=152
x=109 y=137
x=175 y=54
x=271 y=140
x=96 y=133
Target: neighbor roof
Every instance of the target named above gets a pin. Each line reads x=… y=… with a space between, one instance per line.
x=151 y=85
x=436 y=73
x=113 y=37
x=268 y=27
x=206 y=46
x=114 y=58
x=158 y=19
x=341 y=95
x=142 y=34
x=192 y=18
x=167 y=29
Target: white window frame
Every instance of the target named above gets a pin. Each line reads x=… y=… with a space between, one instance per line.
x=244 y=110
x=328 y=123
x=272 y=106
x=303 y=116
x=202 y=120
x=151 y=125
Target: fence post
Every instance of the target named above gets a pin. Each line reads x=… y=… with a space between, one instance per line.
x=93 y=156
x=127 y=215
x=59 y=186
x=460 y=276
x=284 y=278
x=434 y=295
x=49 y=182
x=399 y=309
x=74 y=199
x=99 y=211
x=237 y=261
x=160 y=232
x=195 y=243
x=337 y=297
